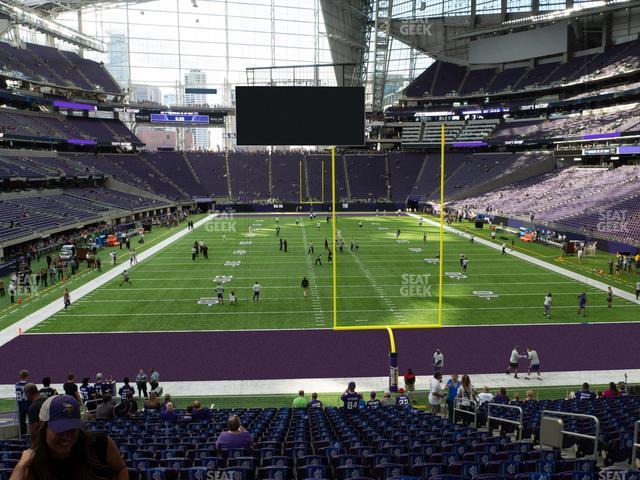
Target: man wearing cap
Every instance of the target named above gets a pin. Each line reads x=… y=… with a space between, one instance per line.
x=65 y=450
x=387 y=400
x=402 y=400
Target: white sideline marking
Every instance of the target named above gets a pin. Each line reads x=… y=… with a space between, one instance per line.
x=540 y=263
x=56 y=306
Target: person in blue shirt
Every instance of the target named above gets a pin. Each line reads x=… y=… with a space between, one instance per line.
x=22 y=401
x=585 y=393
x=125 y=389
x=402 y=400
x=582 y=304
x=350 y=399
x=453 y=384
x=314 y=402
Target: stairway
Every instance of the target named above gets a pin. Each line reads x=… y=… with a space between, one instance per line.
x=190 y=167
x=163 y=176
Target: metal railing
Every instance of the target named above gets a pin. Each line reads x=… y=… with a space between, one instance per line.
x=518 y=423
x=457 y=402
x=635 y=446
x=594 y=437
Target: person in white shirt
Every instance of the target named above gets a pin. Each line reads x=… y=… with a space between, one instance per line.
x=232 y=297
x=579 y=255
x=637 y=290
x=256 y=292
x=547 y=305
x=534 y=363
x=438 y=361
x=436 y=395
x=485 y=396
x=513 y=362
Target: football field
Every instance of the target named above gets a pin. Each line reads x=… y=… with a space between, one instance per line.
x=382 y=281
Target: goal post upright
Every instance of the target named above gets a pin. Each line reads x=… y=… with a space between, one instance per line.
x=441 y=259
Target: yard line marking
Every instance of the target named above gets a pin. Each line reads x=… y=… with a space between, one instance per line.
x=380 y=291
x=313 y=287
x=542 y=264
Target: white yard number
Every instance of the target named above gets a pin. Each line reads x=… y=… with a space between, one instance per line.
x=486 y=294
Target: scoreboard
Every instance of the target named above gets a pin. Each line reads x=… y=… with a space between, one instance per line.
x=189 y=119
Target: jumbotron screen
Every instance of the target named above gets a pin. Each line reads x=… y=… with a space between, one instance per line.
x=300 y=115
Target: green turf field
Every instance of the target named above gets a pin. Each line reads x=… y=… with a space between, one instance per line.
x=11 y=313
x=386 y=282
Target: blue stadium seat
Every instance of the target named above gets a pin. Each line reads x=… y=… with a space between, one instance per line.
x=238 y=473
x=196 y=473
x=345 y=472
x=274 y=473
x=314 y=471
x=159 y=473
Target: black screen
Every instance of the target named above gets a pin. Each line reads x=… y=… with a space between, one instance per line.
x=300 y=115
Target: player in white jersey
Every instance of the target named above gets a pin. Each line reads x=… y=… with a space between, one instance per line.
x=547 y=305
x=534 y=363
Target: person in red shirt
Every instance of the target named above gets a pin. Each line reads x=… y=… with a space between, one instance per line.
x=612 y=391
x=410 y=383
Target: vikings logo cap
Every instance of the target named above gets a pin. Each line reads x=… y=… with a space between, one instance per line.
x=62 y=412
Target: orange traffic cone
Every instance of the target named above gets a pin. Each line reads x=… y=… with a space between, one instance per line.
x=19 y=331
x=19 y=300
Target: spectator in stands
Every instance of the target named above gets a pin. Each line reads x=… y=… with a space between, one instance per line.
x=152 y=403
x=314 y=403
x=235 y=437
x=485 y=396
x=402 y=400
x=585 y=393
x=199 y=412
x=612 y=391
x=167 y=399
x=63 y=449
x=21 y=400
x=517 y=401
x=501 y=396
x=350 y=398
x=105 y=409
x=373 y=402
x=125 y=389
x=169 y=413
x=453 y=384
x=530 y=396
x=154 y=375
x=141 y=382
x=387 y=400
x=436 y=394
x=46 y=391
x=35 y=402
x=300 y=401
x=467 y=395
x=133 y=403
x=70 y=388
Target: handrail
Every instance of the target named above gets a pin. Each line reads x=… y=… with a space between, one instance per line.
x=519 y=423
x=635 y=446
x=579 y=435
x=471 y=403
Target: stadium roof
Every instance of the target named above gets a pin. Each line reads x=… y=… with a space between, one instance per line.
x=56 y=6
